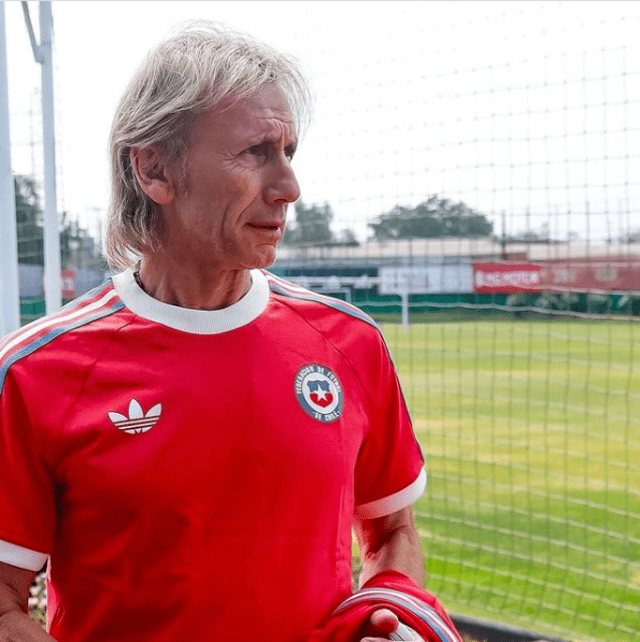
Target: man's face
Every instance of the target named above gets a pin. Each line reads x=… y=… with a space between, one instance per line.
x=231 y=212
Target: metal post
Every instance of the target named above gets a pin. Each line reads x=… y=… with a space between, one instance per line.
x=404 y=295
x=52 y=263
x=9 y=287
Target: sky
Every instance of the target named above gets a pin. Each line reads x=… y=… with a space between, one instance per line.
x=528 y=111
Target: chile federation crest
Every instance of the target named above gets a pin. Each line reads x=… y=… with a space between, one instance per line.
x=319 y=392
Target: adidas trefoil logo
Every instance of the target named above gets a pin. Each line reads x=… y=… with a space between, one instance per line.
x=137 y=422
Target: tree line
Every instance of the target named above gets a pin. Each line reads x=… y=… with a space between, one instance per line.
x=78 y=247
x=434 y=218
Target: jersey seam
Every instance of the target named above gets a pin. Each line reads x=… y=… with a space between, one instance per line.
x=39 y=439
x=335 y=347
x=69 y=307
x=289 y=305
x=37 y=436
x=322 y=299
x=89 y=369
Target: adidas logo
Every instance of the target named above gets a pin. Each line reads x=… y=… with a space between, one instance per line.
x=137 y=422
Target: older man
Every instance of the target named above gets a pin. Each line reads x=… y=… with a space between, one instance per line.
x=191 y=443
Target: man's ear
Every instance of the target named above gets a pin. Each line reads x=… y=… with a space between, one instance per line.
x=152 y=173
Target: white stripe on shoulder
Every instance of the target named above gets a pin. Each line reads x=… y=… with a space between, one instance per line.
x=295 y=291
x=395 y=502
x=21 y=557
x=21 y=336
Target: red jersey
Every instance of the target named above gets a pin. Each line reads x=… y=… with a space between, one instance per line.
x=194 y=474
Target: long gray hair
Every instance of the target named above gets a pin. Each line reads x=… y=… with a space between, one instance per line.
x=188 y=73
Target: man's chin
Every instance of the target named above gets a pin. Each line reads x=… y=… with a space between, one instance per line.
x=262 y=260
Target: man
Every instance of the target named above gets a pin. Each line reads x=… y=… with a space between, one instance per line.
x=191 y=443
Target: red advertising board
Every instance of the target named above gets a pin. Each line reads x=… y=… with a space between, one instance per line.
x=592 y=274
x=506 y=277
x=68 y=284
x=587 y=274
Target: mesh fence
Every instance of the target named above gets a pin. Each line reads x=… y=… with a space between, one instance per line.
x=518 y=351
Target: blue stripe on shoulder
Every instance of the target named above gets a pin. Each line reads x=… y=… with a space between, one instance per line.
x=87 y=295
x=330 y=302
x=30 y=348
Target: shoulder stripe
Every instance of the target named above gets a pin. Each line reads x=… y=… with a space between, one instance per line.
x=286 y=288
x=420 y=609
x=80 y=312
x=88 y=297
x=72 y=310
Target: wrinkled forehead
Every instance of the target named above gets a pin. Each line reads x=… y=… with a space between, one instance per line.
x=264 y=111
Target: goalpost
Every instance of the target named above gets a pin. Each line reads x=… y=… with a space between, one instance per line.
x=343 y=285
x=9 y=287
x=9 y=297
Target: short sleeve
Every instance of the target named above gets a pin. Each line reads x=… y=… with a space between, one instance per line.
x=27 y=503
x=389 y=472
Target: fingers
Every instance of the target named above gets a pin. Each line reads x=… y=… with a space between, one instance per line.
x=381 y=624
x=384 y=621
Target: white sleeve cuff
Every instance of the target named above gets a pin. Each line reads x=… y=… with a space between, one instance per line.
x=21 y=557
x=395 y=502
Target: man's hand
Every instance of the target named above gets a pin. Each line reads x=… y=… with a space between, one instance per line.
x=387 y=542
x=15 y=624
x=382 y=623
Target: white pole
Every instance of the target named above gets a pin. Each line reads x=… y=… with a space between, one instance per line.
x=52 y=267
x=9 y=287
x=404 y=294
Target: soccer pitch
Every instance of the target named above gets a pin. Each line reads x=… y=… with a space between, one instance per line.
x=531 y=432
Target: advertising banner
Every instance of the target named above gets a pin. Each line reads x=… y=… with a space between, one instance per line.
x=506 y=277
x=573 y=275
x=592 y=274
x=68 y=284
x=454 y=278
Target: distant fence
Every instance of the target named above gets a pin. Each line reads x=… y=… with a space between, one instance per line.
x=576 y=286
x=75 y=282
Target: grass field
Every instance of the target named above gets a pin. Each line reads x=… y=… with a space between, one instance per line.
x=531 y=432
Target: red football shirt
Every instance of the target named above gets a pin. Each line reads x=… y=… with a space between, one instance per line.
x=193 y=475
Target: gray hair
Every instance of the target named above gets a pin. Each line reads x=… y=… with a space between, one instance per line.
x=185 y=75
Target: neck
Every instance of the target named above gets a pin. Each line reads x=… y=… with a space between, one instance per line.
x=188 y=286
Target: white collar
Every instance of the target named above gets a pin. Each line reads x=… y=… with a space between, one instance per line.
x=248 y=308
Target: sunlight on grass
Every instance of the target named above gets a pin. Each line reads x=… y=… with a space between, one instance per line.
x=531 y=432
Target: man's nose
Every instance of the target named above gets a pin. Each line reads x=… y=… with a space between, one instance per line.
x=283 y=184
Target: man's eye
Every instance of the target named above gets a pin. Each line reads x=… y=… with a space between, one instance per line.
x=257 y=150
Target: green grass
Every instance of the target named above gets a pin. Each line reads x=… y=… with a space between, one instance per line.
x=531 y=431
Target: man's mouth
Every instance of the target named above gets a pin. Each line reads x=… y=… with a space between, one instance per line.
x=265 y=226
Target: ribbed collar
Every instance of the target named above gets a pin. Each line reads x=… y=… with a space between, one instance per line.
x=250 y=307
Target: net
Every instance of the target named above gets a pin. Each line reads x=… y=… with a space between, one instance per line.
x=505 y=136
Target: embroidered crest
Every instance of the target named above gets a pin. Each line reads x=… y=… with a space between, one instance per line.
x=319 y=392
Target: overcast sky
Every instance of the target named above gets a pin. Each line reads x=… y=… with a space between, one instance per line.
x=507 y=106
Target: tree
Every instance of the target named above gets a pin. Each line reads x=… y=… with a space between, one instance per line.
x=77 y=247
x=347 y=236
x=28 y=221
x=434 y=218
x=311 y=225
